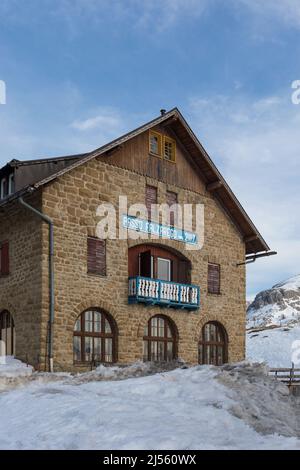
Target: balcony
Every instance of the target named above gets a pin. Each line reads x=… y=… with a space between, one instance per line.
x=163 y=293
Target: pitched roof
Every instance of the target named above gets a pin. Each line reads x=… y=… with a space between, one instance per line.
x=210 y=174
x=37 y=161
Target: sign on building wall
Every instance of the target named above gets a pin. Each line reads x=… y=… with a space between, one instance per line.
x=161 y=231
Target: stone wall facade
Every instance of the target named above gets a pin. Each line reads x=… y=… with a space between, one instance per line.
x=71 y=201
x=21 y=290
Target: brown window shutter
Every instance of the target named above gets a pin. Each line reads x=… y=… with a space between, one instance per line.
x=5 y=258
x=96 y=256
x=145 y=263
x=171 y=199
x=183 y=272
x=213 y=278
x=150 y=198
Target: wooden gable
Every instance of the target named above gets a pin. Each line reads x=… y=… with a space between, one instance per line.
x=135 y=155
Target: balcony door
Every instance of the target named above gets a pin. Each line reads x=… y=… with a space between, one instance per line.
x=158 y=262
x=163 y=267
x=155 y=267
x=146 y=264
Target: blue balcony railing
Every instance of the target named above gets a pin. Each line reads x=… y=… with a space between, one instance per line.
x=163 y=293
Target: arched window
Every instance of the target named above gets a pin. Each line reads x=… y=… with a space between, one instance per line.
x=213 y=344
x=94 y=337
x=160 y=340
x=7 y=333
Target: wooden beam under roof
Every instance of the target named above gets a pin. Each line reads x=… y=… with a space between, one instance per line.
x=251 y=238
x=214 y=185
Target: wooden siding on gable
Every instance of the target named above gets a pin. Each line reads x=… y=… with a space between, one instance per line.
x=134 y=155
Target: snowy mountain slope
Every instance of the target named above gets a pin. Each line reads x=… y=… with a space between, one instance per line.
x=273 y=323
x=278 y=347
x=202 y=407
x=279 y=305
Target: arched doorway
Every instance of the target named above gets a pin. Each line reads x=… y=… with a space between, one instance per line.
x=160 y=339
x=213 y=344
x=95 y=337
x=7 y=333
x=159 y=262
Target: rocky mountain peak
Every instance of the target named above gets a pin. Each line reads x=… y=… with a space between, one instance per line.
x=277 y=306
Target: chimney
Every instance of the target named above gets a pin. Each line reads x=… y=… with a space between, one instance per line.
x=163 y=112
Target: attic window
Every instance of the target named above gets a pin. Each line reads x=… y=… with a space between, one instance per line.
x=169 y=149
x=7 y=186
x=3 y=188
x=162 y=146
x=11 y=184
x=155 y=143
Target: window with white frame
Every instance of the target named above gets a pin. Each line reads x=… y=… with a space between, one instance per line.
x=11 y=184
x=3 y=188
x=7 y=185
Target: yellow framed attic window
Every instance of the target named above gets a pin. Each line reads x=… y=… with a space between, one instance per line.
x=169 y=148
x=162 y=146
x=155 y=143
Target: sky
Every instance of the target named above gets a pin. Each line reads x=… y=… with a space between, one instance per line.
x=79 y=73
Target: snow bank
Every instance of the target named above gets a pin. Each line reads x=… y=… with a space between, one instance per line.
x=11 y=367
x=261 y=401
x=274 y=346
x=138 y=369
x=203 y=407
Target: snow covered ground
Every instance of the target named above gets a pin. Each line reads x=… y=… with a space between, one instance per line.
x=10 y=367
x=203 y=407
x=279 y=347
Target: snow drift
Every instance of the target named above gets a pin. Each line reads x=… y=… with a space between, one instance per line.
x=11 y=367
x=203 y=407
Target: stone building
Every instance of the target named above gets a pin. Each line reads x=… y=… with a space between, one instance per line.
x=70 y=299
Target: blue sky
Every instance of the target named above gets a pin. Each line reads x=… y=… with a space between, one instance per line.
x=81 y=72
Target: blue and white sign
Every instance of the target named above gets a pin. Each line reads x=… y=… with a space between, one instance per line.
x=162 y=231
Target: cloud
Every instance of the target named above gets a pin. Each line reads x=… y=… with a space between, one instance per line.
x=152 y=15
x=163 y=15
x=255 y=145
x=147 y=15
x=108 y=119
x=284 y=11
x=27 y=131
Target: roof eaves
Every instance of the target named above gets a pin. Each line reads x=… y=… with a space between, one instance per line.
x=221 y=178
x=17 y=163
x=12 y=197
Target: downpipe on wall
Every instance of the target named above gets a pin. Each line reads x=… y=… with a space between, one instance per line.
x=47 y=219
